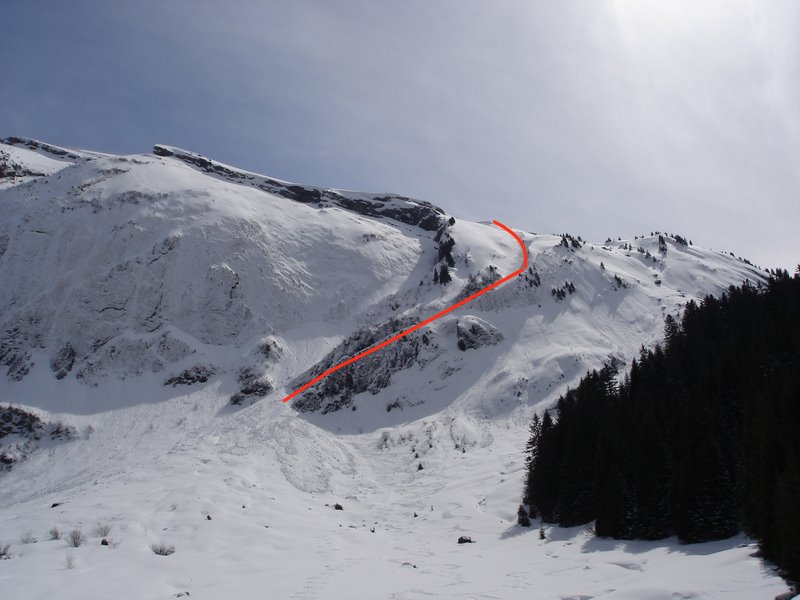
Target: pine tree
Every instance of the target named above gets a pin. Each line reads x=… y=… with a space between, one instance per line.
x=543 y=480
x=444 y=275
x=699 y=440
x=531 y=451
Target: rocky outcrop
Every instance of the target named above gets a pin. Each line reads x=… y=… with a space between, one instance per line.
x=192 y=375
x=40 y=147
x=474 y=333
x=11 y=170
x=125 y=357
x=419 y=213
x=370 y=374
x=374 y=372
x=405 y=210
x=62 y=362
x=269 y=350
x=15 y=343
x=254 y=386
x=21 y=431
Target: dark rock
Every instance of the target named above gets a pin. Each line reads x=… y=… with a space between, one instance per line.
x=19 y=366
x=63 y=361
x=192 y=375
x=104 y=542
x=54 y=504
x=475 y=333
x=301 y=194
x=371 y=374
x=247 y=375
x=422 y=214
x=31 y=429
x=12 y=170
x=35 y=145
x=208 y=517
x=337 y=506
x=465 y=539
x=21 y=422
x=59 y=431
x=270 y=350
x=392 y=405
x=252 y=391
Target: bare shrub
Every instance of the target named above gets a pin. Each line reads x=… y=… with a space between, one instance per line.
x=69 y=560
x=162 y=549
x=27 y=538
x=102 y=530
x=5 y=551
x=75 y=538
x=55 y=533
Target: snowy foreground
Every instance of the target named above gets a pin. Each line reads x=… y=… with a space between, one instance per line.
x=265 y=478
x=146 y=266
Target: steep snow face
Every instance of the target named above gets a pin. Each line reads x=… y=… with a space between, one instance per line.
x=129 y=264
x=158 y=308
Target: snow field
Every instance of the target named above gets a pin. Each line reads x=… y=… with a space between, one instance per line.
x=123 y=250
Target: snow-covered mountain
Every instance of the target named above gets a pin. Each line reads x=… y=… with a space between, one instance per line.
x=156 y=309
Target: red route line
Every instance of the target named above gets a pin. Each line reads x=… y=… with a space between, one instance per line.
x=421 y=324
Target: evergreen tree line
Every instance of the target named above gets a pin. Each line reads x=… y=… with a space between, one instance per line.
x=700 y=439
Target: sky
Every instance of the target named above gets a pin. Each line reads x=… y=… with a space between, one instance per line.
x=598 y=118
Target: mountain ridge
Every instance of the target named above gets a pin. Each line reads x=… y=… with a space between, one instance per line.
x=190 y=304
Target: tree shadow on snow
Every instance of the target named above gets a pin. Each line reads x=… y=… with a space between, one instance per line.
x=671 y=544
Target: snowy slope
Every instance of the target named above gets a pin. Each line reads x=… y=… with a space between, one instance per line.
x=120 y=273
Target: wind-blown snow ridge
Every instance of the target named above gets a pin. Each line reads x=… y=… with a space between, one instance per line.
x=140 y=294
